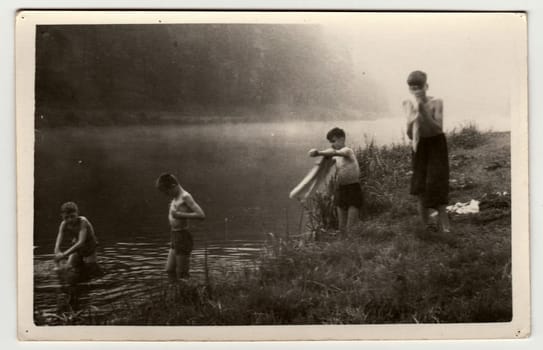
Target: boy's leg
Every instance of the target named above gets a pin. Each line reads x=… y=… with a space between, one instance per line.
x=58 y=265
x=352 y=218
x=444 y=219
x=423 y=211
x=342 y=219
x=170 y=263
x=183 y=265
x=74 y=260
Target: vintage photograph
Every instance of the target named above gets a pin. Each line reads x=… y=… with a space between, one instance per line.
x=274 y=169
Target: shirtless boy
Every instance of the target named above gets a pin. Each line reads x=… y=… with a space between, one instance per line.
x=80 y=232
x=430 y=179
x=348 y=196
x=182 y=208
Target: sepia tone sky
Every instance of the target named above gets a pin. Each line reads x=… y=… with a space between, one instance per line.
x=340 y=62
x=471 y=59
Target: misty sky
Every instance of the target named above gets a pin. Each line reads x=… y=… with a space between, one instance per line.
x=333 y=65
x=471 y=60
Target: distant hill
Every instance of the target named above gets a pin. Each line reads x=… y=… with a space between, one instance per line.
x=124 y=74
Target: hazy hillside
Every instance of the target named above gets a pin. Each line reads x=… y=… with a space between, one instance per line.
x=117 y=74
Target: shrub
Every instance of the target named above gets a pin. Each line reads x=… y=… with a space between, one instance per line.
x=468 y=136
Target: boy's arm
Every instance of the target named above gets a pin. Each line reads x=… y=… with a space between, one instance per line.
x=410 y=130
x=330 y=152
x=80 y=240
x=412 y=114
x=438 y=113
x=197 y=211
x=60 y=237
x=437 y=119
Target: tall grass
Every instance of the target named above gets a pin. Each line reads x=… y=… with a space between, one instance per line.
x=321 y=211
x=383 y=174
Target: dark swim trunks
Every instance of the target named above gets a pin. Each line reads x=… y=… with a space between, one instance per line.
x=348 y=196
x=431 y=171
x=87 y=249
x=181 y=242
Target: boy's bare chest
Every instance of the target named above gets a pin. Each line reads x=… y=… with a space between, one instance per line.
x=75 y=227
x=179 y=205
x=72 y=231
x=428 y=109
x=344 y=162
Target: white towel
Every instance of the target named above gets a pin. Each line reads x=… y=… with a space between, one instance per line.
x=412 y=113
x=316 y=178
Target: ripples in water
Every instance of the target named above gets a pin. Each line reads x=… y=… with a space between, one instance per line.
x=132 y=271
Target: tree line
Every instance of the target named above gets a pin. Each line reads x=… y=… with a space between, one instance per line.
x=121 y=74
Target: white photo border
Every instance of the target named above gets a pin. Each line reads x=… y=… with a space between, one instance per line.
x=26 y=23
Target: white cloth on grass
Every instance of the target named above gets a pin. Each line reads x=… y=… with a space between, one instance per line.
x=471 y=207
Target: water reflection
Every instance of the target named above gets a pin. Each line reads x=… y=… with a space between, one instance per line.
x=128 y=272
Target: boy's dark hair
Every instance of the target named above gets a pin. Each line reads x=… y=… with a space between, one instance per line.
x=166 y=181
x=417 y=78
x=335 y=133
x=69 y=208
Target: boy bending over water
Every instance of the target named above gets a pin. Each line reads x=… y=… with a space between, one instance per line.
x=430 y=180
x=80 y=233
x=182 y=208
x=348 y=196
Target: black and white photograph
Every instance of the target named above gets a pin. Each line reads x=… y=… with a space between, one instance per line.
x=322 y=170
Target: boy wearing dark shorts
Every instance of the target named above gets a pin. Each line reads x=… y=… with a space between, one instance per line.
x=430 y=179
x=182 y=208
x=348 y=196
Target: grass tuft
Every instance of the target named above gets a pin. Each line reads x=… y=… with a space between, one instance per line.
x=467 y=136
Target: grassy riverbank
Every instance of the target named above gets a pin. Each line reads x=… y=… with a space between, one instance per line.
x=389 y=271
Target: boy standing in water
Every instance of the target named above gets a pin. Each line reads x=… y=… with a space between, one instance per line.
x=182 y=208
x=348 y=196
x=430 y=180
x=81 y=234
